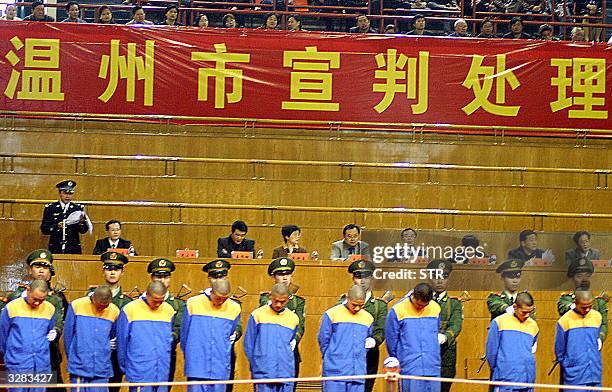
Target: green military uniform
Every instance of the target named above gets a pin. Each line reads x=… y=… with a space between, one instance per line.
x=164 y=267
x=600 y=304
x=378 y=309
x=498 y=302
x=219 y=269
x=42 y=257
x=451 y=321
x=297 y=304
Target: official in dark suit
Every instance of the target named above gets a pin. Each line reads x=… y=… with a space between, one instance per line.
x=114 y=240
x=63 y=238
x=236 y=241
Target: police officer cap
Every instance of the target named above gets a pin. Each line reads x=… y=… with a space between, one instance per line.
x=114 y=258
x=40 y=257
x=66 y=186
x=578 y=266
x=161 y=267
x=510 y=267
x=361 y=266
x=281 y=264
x=216 y=266
x=440 y=264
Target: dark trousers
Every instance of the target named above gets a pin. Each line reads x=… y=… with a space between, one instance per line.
x=172 y=364
x=372 y=358
x=117 y=373
x=230 y=387
x=297 y=359
x=56 y=364
x=449 y=365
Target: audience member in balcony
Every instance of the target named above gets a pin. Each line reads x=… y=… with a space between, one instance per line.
x=138 y=17
x=113 y=240
x=490 y=6
x=202 y=21
x=593 y=11
x=10 y=13
x=547 y=33
x=528 y=249
x=363 y=25
x=460 y=28
x=583 y=249
x=418 y=28
x=516 y=29
x=350 y=245
x=444 y=5
x=236 y=242
x=38 y=13
x=105 y=15
x=486 y=29
x=229 y=21
x=294 y=22
x=577 y=34
x=270 y=22
x=74 y=11
x=171 y=16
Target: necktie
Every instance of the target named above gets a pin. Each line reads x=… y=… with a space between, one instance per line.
x=351 y=250
x=113 y=246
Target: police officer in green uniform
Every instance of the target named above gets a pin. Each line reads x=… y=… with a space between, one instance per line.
x=281 y=271
x=502 y=302
x=451 y=319
x=113 y=265
x=362 y=272
x=219 y=269
x=161 y=270
x=580 y=272
x=41 y=267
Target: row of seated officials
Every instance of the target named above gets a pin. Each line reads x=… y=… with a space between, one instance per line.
x=516 y=28
x=350 y=247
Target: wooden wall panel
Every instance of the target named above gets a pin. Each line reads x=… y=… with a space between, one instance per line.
x=321 y=284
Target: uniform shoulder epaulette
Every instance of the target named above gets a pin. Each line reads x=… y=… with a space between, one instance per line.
x=566 y=293
x=49 y=204
x=604 y=296
x=4 y=299
x=93 y=286
x=22 y=286
x=496 y=293
x=297 y=296
x=262 y=293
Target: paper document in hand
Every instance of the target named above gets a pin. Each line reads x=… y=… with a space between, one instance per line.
x=75 y=218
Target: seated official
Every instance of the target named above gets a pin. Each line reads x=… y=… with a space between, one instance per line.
x=583 y=249
x=236 y=241
x=528 y=249
x=408 y=253
x=114 y=240
x=291 y=237
x=350 y=245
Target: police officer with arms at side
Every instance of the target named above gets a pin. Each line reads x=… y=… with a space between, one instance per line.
x=63 y=237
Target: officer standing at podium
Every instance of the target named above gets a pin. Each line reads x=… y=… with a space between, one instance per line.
x=63 y=237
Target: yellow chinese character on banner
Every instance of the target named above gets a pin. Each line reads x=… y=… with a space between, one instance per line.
x=312 y=84
x=131 y=68
x=400 y=75
x=588 y=77
x=482 y=88
x=220 y=73
x=41 y=78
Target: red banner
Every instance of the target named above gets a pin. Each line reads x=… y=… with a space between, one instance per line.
x=256 y=74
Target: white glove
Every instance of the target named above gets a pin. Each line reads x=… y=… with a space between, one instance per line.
x=292 y=343
x=510 y=309
x=599 y=344
x=314 y=255
x=534 y=348
x=441 y=338
x=52 y=335
x=260 y=254
x=232 y=338
x=391 y=362
x=370 y=343
x=113 y=344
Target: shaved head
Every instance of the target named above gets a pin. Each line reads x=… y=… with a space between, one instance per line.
x=222 y=287
x=103 y=294
x=524 y=299
x=156 y=288
x=39 y=285
x=280 y=290
x=584 y=295
x=356 y=293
